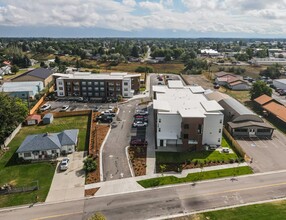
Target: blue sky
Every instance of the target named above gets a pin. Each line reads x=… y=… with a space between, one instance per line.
x=143 y=18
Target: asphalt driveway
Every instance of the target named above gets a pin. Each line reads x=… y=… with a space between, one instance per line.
x=68 y=185
x=268 y=155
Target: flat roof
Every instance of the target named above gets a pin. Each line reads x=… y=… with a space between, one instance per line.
x=187 y=101
x=175 y=84
x=96 y=76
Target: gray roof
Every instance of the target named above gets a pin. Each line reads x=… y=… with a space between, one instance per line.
x=48 y=141
x=49 y=115
x=41 y=73
x=249 y=124
x=236 y=112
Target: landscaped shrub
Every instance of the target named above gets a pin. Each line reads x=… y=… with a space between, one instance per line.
x=89 y=164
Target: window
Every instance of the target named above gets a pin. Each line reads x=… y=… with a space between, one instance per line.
x=111 y=84
x=61 y=88
x=126 y=83
x=159 y=129
x=118 y=84
x=84 y=94
x=83 y=83
x=27 y=154
x=23 y=95
x=263 y=130
x=218 y=140
x=89 y=88
x=89 y=83
x=186 y=126
x=54 y=151
x=96 y=88
x=199 y=129
x=125 y=94
x=101 y=88
x=101 y=83
x=83 y=88
x=220 y=121
x=186 y=136
x=90 y=94
x=68 y=83
x=60 y=82
x=96 y=83
x=96 y=94
x=102 y=94
x=126 y=89
x=240 y=130
x=61 y=93
x=219 y=131
x=159 y=120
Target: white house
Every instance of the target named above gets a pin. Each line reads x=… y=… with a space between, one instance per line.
x=185 y=118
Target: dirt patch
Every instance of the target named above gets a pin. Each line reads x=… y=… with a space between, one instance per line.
x=200 y=80
x=90 y=192
x=137 y=157
x=97 y=135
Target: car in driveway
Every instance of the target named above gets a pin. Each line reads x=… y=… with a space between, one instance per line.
x=138 y=142
x=45 y=107
x=64 y=164
x=64 y=108
x=137 y=124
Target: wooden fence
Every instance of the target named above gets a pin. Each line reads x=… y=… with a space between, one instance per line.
x=69 y=114
x=235 y=145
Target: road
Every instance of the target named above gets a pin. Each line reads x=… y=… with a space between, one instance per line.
x=114 y=159
x=164 y=201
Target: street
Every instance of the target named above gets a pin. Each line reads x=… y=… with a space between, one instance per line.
x=165 y=201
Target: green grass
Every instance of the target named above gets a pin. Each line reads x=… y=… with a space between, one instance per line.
x=201 y=156
x=167 y=180
x=25 y=174
x=266 y=211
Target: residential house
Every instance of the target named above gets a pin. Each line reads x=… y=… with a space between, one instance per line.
x=39 y=74
x=5 y=70
x=22 y=90
x=231 y=81
x=48 y=145
x=185 y=118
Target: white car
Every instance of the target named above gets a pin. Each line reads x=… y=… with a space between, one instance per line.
x=45 y=107
x=64 y=108
x=137 y=124
x=64 y=164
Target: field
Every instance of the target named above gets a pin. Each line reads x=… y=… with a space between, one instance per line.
x=26 y=174
x=266 y=211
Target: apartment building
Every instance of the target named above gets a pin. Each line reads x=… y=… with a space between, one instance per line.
x=90 y=85
x=185 y=118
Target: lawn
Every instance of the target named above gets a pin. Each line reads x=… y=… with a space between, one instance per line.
x=201 y=156
x=242 y=96
x=266 y=211
x=192 y=177
x=26 y=174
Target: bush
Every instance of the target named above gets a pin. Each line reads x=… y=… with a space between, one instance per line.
x=97 y=216
x=89 y=164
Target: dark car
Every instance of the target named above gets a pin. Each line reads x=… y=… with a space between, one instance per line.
x=141 y=118
x=138 y=142
x=282 y=92
x=216 y=86
x=103 y=119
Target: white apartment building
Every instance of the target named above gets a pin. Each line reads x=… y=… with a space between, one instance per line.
x=185 y=117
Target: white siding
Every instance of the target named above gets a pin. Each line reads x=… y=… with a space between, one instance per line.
x=212 y=126
x=60 y=87
x=126 y=89
x=168 y=127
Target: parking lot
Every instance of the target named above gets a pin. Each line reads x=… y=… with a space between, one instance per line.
x=268 y=155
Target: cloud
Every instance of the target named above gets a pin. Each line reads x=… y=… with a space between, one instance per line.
x=220 y=16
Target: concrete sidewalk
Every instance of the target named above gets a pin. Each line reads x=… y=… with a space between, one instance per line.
x=128 y=185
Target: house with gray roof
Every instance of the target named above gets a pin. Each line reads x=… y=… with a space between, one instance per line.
x=39 y=74
x=48 y=145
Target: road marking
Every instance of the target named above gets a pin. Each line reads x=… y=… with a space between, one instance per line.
x=121 y=174
x=111 y=156
x=56 y=216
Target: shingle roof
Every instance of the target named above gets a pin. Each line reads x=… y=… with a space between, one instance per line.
x=41 y=73
x=263 y=99
x=48 y=141
x=248 y=124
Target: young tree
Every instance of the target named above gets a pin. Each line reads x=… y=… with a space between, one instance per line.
x=89 y=164
x=259 y=88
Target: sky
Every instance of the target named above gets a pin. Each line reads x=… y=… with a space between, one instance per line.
x=143 y=18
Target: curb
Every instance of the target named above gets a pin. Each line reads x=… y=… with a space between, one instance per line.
x=128 y=160
x=101 y=150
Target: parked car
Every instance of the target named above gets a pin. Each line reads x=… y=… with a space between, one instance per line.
x=141 y=118
x=137 y=124
x=225 y=150
x=282 y=92
x=138 y=142
x=108 y=113
x=64 y=108
x=45 y=107
x=104 y=119
x=64 y=164
x=97 y=108
x=141 y=112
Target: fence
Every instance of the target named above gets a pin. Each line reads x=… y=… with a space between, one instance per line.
x=11 y=190
x=12 y=135
x=183 y=78
x=234 y=144
x=69 y=114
